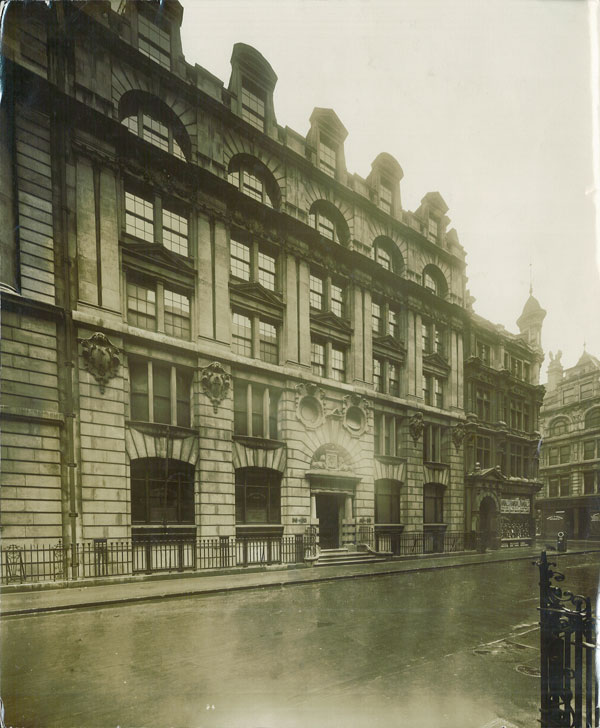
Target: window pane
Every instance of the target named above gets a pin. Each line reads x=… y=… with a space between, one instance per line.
x=337 y=300
x=155 y=132
x=268 y=343
x=316 y=292
x=177 y=314
x=258 y=411
x=183 y=383
x=161 y=384
x=393 y=380
x=393 y=328
x=377 y=380
x=385 y=197
x=338 y=365
x=252 y=186
x=131 y=122
x=376 y=317
x=327 y=156
x=326 y=227
x=317 y=357
x=383 y=258
x=175 y=232
x=253 y=106
x=138 y=376
x=240 y=260
x=139 y=217
x=141 y=306
x=242 y=335
x=266 y=271
x=154 y=42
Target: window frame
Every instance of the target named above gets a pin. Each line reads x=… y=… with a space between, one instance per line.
x=184 y=497
x=257 y=254
x=163 y=321
x=179 y=417
x=257 y=346
x=272 y=486
x=433 y=503
x=250 y=420
x=159 y=49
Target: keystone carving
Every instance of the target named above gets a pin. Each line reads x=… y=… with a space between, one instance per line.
x=458 y=435
x=101 y=358
x=215 y=383
x=415 y=426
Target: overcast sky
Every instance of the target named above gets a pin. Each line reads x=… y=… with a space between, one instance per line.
x=486 y=101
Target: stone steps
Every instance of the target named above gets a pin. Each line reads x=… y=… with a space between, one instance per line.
x=341 y=557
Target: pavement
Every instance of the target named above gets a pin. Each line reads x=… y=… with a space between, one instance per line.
x=33 y=599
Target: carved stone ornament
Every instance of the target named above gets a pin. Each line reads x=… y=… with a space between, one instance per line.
x=330 y=457
x=101 y=358
x=309 y=405
x=415 y=426
x=458 y=435
x=215 y=383
x=355 y=411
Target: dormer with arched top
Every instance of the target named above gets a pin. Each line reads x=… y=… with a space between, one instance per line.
x=326 y=140
x=251 y=84
x=384 y=181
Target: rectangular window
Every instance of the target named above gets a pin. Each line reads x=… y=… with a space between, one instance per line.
x=586 y=390
x=482 y=404
x=553 y=456
x=519 y=462
x=240 y=260
x=484 y=352
x=316 y=292
x=376 y=317
x=387 y=501
x=160 y=393
x=589 y=450
x=433 y=451
x=388 y=435
x=516 y=414
x=385 y=196
x=338 y=364
x=426 y=338
x=438 y=346
x=569 y=395
x=252 y=186
x=327 y=156
x=177 y=314
x=154 y=42
x=242 y=334
x=438 y=389
x=432 y=229
x=317 y=357
x=393 y=323
x=589 y=483
x=266 y=271
x=433 y=503
x=268 y=344
x=253 y=105
x=261 y=421
x=483 y=451
x=337 y=300
x=175 y=232
x=565 y=485
x=383 y=258
x=393 y=379
x=553 y=487
x=141 y=306
x=565 y=453
x=139 y=217
x=526 y=372
x=377 y=378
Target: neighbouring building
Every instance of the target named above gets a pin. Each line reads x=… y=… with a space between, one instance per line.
x=213 y=330
x=570 y=463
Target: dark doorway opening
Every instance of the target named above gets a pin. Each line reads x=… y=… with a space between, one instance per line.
x=488 y=522
x=328 y=513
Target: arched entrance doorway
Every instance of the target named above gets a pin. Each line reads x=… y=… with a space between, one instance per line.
x=488 y=521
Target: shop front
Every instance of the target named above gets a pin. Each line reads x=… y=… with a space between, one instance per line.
x=577 y=517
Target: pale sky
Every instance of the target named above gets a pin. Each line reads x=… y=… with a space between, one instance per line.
x=486 y=101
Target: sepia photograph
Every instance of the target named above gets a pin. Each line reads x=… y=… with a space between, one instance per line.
x=300 y=363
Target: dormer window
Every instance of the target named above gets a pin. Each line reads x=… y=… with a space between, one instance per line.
x=327 y=156
x=385 y=196
x=253 y=105
x=433 y=229
x=154 y=42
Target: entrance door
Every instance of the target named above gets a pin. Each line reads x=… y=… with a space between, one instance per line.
x=487 y=521
x=328 y=513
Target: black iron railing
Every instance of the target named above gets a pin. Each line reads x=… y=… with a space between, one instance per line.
x=385 y=538
x=569 y=685
x=148 y=555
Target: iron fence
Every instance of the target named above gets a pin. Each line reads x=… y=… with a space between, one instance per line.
x=386 y=538
x=569 y=684
x=106 y=558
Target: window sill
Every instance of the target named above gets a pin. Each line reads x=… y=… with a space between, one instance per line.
x=157 y=428
x=263 y=442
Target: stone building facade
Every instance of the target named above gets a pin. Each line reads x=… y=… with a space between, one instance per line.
x=570 y=463
x=212 y=328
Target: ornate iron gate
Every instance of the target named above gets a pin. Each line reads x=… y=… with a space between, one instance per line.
x=569 y=687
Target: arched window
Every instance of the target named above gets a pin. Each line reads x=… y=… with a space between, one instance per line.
x=329 y=222
x=592 y=418
x=257 y=495
x=254 y=179
x=162 y=491
x=387 y=501
x=559 y=426
x=387 y=254
x=152 y=120
x=434 y=281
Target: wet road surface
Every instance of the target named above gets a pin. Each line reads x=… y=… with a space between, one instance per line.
x=455 y=648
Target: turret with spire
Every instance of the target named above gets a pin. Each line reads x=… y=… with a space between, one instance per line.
x=530 y=322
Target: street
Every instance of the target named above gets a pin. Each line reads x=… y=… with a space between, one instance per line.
x=456 y=648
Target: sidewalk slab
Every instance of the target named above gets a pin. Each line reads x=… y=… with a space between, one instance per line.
x=83 y=595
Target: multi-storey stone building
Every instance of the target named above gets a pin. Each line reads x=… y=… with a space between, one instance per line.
x=212 y=328
x=570 y=464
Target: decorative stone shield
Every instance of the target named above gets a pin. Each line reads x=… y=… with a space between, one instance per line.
x=458 y=435
x=101 y=358
x=215 y=383
x=415 y=426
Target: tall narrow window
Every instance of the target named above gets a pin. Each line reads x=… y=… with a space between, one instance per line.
x=141 y=306
x=385 y=196
x=316 y=292
x=376 y=318
x=269 y=350
x=327 y=156
x=242 y=334
x=154 y=42
x=139 y=217
x=387 y=501
x=175 y=232
x=317 y=356
x=433 y=503
x=266 y=271
x=160 y=393
x=393 y=323
x=383 y=258
x=393 y=379
x=240 y=260
x=177 y=314
x=483 y=451
x=377 y=377
x=432 y=229
x=337 y=300
x=338 y=364
x=253 y=105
